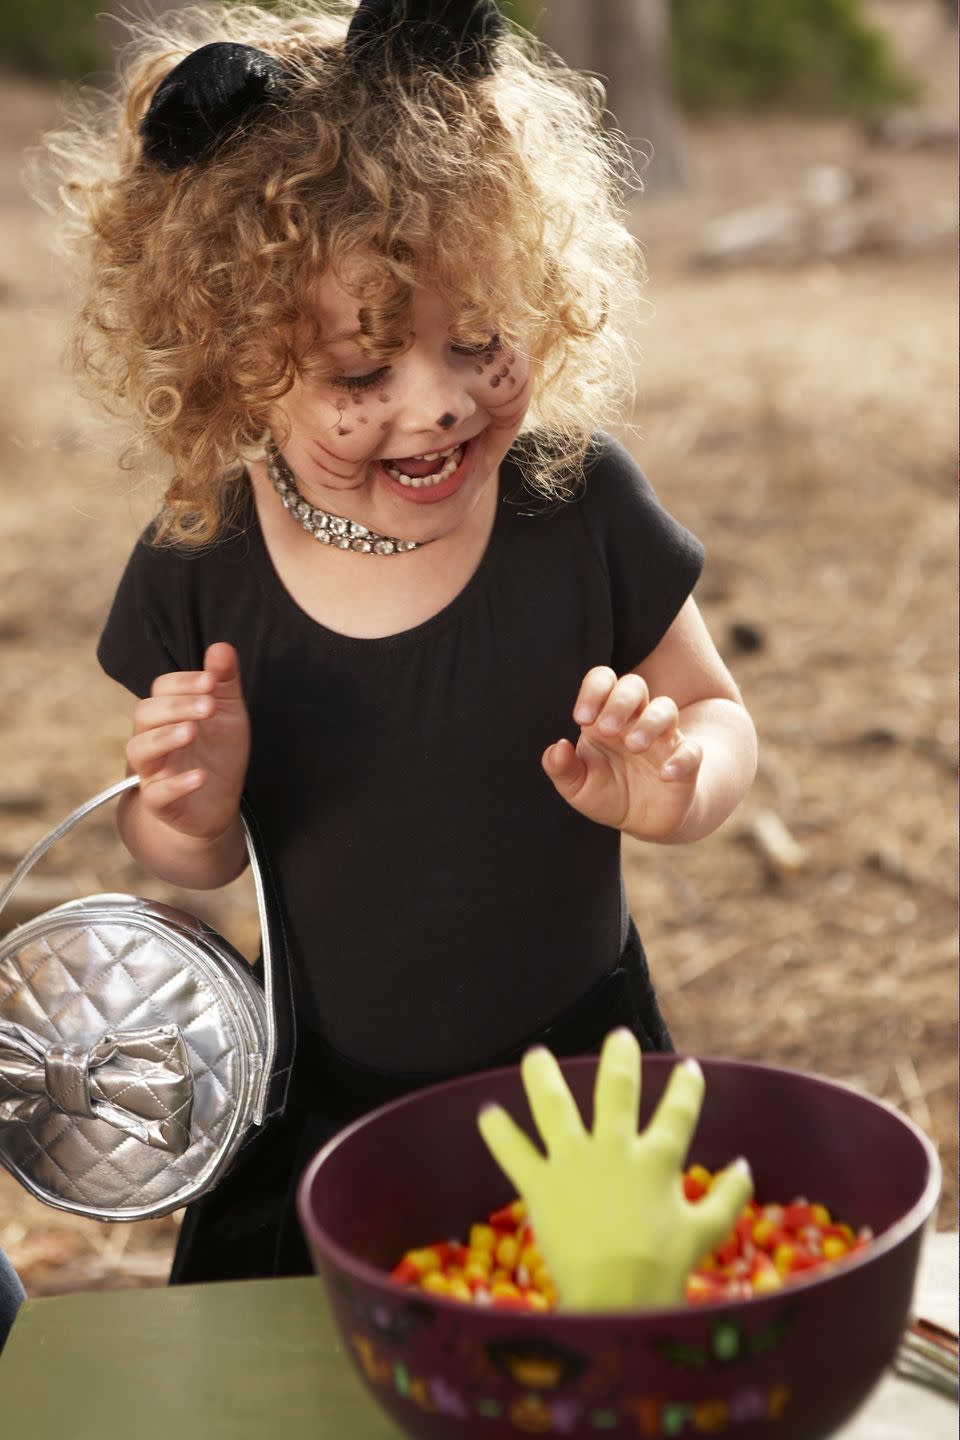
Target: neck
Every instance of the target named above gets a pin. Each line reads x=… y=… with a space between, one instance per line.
x=325 y=526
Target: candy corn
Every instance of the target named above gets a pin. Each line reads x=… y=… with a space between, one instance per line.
x=501 y=1266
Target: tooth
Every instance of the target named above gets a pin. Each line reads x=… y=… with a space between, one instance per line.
x=417 y=482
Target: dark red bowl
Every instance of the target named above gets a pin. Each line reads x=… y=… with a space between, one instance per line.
x=792 y=1365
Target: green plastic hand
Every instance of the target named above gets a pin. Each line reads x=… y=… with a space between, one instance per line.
x=608 y=1209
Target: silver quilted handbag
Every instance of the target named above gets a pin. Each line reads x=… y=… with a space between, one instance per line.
x=138 y=1051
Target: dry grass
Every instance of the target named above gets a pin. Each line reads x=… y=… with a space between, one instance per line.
x=803 y=422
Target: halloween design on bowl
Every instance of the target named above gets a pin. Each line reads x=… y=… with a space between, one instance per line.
x=539 y=1386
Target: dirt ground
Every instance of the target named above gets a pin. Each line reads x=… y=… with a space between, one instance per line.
x=802 y=420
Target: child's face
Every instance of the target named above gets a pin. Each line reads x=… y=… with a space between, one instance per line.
x=340 y=433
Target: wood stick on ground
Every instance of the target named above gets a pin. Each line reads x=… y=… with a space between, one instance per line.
x=913 y=1093
x=779 y=849
x=716 y=955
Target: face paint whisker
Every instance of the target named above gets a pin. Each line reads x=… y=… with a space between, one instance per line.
x=505 y=416
x=333 y=456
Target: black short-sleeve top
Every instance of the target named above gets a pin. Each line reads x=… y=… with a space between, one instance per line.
x=443 y=901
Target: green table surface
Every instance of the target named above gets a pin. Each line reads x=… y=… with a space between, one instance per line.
x=261 y=1358
x=195 y=1362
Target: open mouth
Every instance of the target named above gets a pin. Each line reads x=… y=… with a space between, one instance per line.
x=419 y=471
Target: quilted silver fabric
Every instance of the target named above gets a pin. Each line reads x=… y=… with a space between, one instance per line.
x=113 y=963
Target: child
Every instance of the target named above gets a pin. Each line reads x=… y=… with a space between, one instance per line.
x=355 y=275
x=12 y=1296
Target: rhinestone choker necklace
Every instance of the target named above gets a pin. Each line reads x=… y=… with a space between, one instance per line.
x=322 y=525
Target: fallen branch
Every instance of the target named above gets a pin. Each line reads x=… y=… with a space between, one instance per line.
x=914 y=1097
x=717 y=955
x=783 y=855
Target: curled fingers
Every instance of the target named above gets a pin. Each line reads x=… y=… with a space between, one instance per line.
x=149 y=750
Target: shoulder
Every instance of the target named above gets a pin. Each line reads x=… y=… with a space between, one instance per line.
x=616 y=494
x=650 y=559
x=607 y=471
x=611 y=474
x=167 y=599
x=624 y=515
x=611 y=497
x=161 y=559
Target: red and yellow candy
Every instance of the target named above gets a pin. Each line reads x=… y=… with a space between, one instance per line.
x=501 y=1266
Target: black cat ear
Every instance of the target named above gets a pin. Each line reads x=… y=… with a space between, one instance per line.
x=452 y=36
x=204 y=98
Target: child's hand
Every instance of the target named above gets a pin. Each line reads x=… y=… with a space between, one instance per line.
x=632 y=768
x=608 y=1210
x=191 y=744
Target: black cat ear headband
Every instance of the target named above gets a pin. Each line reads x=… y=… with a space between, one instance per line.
x=204 y=98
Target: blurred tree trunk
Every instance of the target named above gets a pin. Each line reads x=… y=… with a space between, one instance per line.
x=626 y=42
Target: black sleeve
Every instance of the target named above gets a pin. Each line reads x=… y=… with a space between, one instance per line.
x=146 y=633
x=651 y=561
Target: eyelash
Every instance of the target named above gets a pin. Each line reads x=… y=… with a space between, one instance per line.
x=367 y=382
x=359 y=382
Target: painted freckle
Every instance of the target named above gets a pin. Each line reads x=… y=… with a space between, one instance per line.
x=488 y=359
x=384 y=424
x=478 y=369
x=383 y=397
x=495 y=381
x=362 y=419
x=512 y=379
x=341 y=431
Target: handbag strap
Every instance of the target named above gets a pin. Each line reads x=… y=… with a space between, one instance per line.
x=280 y=1034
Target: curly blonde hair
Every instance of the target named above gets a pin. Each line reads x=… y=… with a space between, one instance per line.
x=502 y=195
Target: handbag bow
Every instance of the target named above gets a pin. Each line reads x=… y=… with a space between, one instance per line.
x=136 y=1080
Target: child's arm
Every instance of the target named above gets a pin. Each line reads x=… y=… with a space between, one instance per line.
x=667 y=751
x=190 y=747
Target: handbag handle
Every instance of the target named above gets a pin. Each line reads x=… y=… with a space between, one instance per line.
x=276 y=977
